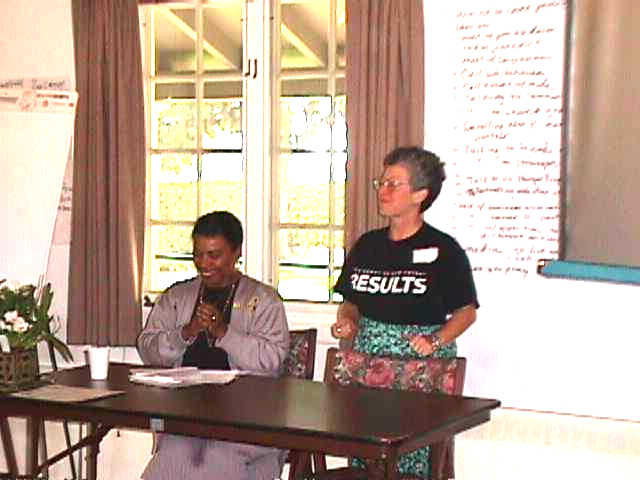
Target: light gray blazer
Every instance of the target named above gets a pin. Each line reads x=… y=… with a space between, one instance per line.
x=257 y=340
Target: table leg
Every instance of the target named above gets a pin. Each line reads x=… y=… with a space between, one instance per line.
x=32 y=442
x=43 y=448
x=92 y=455
x=67 y=438
x=7 y=445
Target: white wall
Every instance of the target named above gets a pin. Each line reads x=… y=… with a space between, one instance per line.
x=556 y=345
x=36 y=41
x=546 y=344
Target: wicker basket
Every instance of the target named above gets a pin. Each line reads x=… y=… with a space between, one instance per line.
x=18 y=369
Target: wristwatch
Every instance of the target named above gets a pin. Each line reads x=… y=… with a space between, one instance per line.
x=436 y=341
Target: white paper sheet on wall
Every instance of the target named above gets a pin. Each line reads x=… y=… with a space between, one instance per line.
x=36 y=127
x=495 y=114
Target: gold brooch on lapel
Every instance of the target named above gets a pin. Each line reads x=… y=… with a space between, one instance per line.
x=253 y=304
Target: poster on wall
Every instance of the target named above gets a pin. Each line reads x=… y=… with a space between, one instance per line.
x=62 y=228
x=36 y=127
x=495 y=114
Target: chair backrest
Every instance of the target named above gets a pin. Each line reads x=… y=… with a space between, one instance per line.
x=300 y=363
x=443 y=375
x=301 y=359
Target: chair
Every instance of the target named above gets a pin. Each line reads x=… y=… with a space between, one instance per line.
x=300 y=363
x=444 y=375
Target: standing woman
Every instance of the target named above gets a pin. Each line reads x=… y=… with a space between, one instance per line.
x=408 y=289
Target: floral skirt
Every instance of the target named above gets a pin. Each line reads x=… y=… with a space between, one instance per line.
x=391 y=340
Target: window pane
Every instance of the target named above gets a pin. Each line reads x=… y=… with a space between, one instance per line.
x=304 y=87
x=341 y=34
x=223 y=183
x=338 y=249
x=335 y=296
x=338 y=262
x=304 y=247
x=170 y=255
x=174 y=116
x=225 y=89
x=222 y=36
x=305 y=123
x=339 y=177
x=304 y=284
x=175 y=46
x=304 y=34
x=339 y=128
x=304 y=188
x=174 y=187
x=222 y=124
x=303 y=260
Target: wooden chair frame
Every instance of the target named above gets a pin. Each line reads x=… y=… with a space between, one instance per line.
x=441 y=455
x=300 y=462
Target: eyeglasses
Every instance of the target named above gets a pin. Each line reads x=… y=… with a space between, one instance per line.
x=390 y=183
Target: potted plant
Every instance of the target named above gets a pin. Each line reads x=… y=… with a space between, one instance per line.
x=25 y=321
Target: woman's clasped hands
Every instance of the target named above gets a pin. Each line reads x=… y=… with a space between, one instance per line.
x=208 y=318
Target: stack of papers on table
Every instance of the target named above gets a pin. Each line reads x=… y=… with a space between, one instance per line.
x=182 y=377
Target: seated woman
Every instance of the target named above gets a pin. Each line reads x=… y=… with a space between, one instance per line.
x=408 y=288
x=220 y=319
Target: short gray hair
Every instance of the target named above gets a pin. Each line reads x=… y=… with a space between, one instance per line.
x=425 y=168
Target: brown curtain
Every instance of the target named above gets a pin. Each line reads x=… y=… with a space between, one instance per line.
x=107 y=233
x=385 y=97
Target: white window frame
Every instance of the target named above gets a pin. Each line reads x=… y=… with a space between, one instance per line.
x=261 y=87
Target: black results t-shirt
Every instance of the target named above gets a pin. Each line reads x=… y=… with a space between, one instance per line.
x=419 y=280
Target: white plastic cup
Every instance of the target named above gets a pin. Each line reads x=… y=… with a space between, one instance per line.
x=99 y=362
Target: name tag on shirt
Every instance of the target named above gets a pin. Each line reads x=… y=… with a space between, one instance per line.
x=425 y=255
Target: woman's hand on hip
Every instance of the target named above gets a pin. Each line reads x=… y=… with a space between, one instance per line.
x=422 y=344
x=347 y=320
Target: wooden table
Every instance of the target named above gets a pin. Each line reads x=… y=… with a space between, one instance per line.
x=285 y=413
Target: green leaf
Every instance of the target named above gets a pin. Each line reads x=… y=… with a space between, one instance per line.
x=62 y=348
x=46 y=296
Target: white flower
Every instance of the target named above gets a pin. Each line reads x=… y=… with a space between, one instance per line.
x=12 y=316
x=3 y=325
x=20 y=325
x=11 y=284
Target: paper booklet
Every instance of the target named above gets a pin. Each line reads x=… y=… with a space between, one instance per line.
x=182 y=376
x=65 y=393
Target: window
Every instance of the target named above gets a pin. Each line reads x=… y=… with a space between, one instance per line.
x=247 y=114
